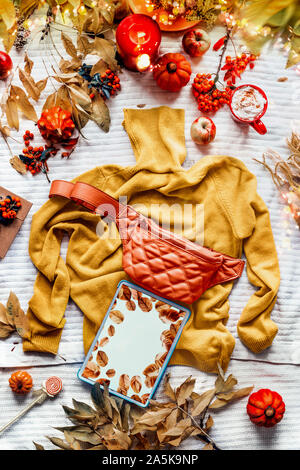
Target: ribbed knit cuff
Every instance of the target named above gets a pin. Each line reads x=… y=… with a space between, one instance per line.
x=43 y=343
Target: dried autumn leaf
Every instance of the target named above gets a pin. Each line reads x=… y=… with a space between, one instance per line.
x=12 y=308
x=79 y=96
x=3 y=314
x=18 y=165
x=202 y=401
x=50 y=101
x=124 y=293
x=185 y=390
x=145 y=304
x=136 y=383
x=69 y=46
x=29 y=85
x=106 y=50
x=110 y=373
x=100 y=67
x=124 y=381
x=223 y=386
x=41 y=84
x=169 y=315
x=28 y=64
x=7 y=13
x=160 y=358
x=154 y=417
x=5 y=330
x=116 y=316
x=111 y=330
x=168 y=389
x=102 y=358
x=100 y=113
x=23 y=103
x=83 y=45
x=130 y=304
x=91 y=370
x=11 y=111
x=4 y=130
x=103 y=341
x=223 y=399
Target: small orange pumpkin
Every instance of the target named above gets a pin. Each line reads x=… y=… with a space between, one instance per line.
x=20 y=382
x=172 y=72
x=56 y=125
x=265 y=408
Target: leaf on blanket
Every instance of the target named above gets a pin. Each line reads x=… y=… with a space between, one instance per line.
x=13 y=318
x=69 y=46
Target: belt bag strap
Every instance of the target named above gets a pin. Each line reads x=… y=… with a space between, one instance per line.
x=157 y=259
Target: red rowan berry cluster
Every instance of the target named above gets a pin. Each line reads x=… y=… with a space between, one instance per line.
x=35 y=158
x=9 y=208
x=208 y=96
x=236 y=66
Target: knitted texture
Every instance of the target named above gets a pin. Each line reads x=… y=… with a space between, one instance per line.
x=235 y=219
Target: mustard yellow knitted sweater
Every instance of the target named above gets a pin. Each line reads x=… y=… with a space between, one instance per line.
x=235 y=220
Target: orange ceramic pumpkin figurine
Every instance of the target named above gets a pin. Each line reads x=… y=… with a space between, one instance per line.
x=20 y=382
x=172 y=72
x=265 y=408
x=56 y=125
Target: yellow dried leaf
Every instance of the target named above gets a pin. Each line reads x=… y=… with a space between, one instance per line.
x=5 y=330
x=18 y=165
x=7 y=13
x=69 y=46
x=202 y=401
x=3 y=315
x=11 y=111
x=28 y=64
x=41 y=84
x=23 y=103
x=100 y=113
x=12 y=308
x=184 y=390
x=29 y=85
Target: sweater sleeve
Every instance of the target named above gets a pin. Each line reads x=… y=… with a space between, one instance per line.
x=52 y=286
x=251 y=225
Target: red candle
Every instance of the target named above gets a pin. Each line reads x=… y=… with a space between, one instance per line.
x=138 y=40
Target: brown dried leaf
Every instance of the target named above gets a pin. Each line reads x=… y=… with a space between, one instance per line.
x=136 y=383
x=103 y=341
x=282 y=79
x=160 y=358
x=100 y=67
x=5 y=330
x=3 y=314
x=4 y=130
x=79 y=95
x=11 y=111
x=145 y=304
x=106 y=50
x=12 y=308
x=68 y=45
x=18 y=165
x=124 y=381
x=110 y=373
x=202 y=401
x=29 y=85
x=184 y=390
x=100 y=113
x=116 y=316
x=130 y=304
x=50 y=101
x=41 y=84
x=28 y=64
x=91 y=370
x=168 y=389
x=111 y=330
x=223 y=386
x=124 y=293
x=150 y=418
x=83 y=45
x=23 y=103
x=102 y=358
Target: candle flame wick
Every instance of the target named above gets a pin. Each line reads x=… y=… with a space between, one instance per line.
x=143 y=62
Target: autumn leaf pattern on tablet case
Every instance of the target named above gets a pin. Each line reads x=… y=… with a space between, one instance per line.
x=103 y=368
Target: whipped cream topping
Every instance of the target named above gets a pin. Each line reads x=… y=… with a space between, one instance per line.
x=247 y=103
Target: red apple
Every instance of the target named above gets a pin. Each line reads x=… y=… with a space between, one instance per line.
x=5 y=65
x=203 y=130
x=196 y=42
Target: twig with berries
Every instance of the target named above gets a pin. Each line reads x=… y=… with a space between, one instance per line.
x=107 y=84
x=9 y=207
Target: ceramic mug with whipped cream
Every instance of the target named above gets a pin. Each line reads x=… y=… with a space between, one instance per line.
x=248 y=104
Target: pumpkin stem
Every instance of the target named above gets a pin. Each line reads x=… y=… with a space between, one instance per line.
x=269 y=412
x=171 y=67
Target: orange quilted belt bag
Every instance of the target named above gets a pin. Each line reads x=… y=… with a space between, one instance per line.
x=155 y=258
